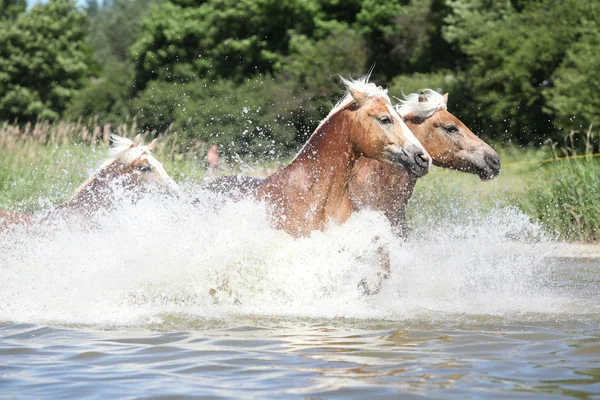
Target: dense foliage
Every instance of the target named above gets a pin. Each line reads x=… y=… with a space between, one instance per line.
x=257 y=75
x=43 y=60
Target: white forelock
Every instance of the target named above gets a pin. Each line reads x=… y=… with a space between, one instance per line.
x=127 y=152
x=360 y=85
x=124 y=150
x=422 y=109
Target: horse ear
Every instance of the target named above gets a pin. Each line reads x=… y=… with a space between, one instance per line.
x=422 y=97
x=446 y=98
x=358 y=96
x=137 y=140
x=152 y=145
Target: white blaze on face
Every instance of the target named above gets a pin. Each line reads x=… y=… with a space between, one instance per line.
x=406 y=130
x=158 y=167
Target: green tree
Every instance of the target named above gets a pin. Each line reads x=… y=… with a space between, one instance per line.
x=313 y=69
x=512 y=53
x=113 y=28
x=10 y=9
x=218 y=38
x=43 y=61
x=574 y=96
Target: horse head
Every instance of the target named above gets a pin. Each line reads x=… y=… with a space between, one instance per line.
x=378 y=130
x=450 y=143
x=136 y=162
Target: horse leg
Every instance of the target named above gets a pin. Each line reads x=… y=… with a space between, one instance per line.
x=371 y=286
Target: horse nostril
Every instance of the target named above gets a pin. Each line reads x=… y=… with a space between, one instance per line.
x=421 y=159
x=492 y=161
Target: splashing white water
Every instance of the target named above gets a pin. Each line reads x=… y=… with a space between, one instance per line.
x=139 y=261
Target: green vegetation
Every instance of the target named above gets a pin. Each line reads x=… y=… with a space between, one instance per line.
x=45 y=163
x=43 y=61
x=557 y=188
x=518 y=72
x=256 y=76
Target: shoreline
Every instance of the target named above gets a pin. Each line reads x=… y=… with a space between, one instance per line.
x=568 y=250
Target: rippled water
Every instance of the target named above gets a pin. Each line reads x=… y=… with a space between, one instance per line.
x=121 y=307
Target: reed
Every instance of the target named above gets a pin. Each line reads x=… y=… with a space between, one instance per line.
x=42 y=164
x=568 y=203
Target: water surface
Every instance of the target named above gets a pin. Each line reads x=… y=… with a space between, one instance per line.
x=122 y=308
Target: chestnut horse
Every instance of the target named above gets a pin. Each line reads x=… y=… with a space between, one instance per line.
x=131 y=166
x=450 y=143
x=312 y=191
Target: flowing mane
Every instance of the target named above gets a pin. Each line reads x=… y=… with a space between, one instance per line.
x=410 y=104
x=360 y=85
x=126 y=151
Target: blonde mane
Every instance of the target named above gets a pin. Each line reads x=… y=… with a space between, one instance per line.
x=361 y=85
x=123 y=150
x=410 y=104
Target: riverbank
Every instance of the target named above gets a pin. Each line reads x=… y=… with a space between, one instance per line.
x=43 y=164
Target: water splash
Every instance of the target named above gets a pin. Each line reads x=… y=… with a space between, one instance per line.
x=140 y=263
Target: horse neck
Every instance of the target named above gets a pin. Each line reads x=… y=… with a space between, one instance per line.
x=328 y=156
x=94 y=192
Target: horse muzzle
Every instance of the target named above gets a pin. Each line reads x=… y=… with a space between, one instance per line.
x=413 y=159
x=491 y=168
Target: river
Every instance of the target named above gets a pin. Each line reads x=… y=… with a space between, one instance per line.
x=122 y=307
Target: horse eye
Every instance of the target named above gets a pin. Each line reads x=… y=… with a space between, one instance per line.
x=385 y=120
x=451 y=129
x=144 y=168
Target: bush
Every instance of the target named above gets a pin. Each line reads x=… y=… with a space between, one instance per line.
x=442 y=81
x=247 y=119
x=574 y=97
x=106 y=99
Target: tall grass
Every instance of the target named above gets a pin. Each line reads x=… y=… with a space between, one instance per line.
x=43 y=163
x=569 y=201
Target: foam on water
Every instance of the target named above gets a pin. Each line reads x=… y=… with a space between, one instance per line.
x=139 y=262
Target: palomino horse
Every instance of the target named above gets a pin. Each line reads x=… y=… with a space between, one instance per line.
x=312 y=191
x=450 y=143
x=131 y=166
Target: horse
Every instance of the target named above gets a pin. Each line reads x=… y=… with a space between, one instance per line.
x=8 y=218
x=131 y=166
x=449 y=142
x=312 y=191
x=388 y=188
